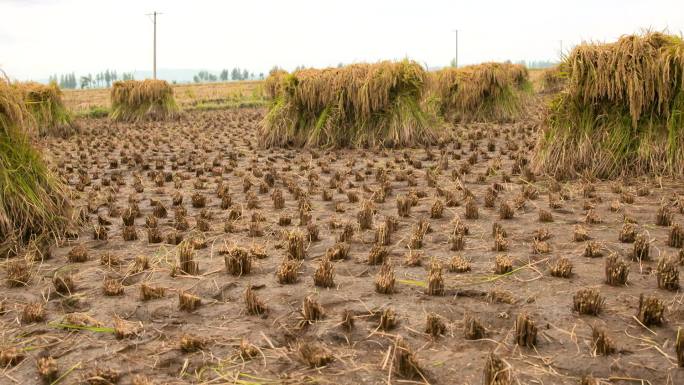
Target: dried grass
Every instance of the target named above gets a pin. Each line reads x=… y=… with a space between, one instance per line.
x=33 y=202
x=484 y=92
x=622 y=111
x=352 y=106
x=137 y=100
x=553 y=79
x=44 y=103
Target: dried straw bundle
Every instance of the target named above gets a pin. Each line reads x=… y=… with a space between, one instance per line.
x=483 y=92
x=357 y=105
x=32 y=201
x=134 y=100
x=622 y=111
x=44 y=103
x=273 y=83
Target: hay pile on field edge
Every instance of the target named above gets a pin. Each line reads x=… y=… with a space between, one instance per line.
x=137 y=100
x=553 y=79
x=621 y=113
x=484 y=92
x=32 y=200
x=45 y=104
x=353 y=106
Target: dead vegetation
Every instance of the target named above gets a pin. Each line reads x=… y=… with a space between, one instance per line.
x=134 y=100
x=632 y=84
x=336 y=107
x=588 y=301
x=484 y=92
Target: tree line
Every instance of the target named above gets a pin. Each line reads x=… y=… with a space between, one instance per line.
x=101 y=79
x=538 y=63
x=225 y=75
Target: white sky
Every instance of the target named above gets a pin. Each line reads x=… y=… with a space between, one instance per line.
x=42 y=37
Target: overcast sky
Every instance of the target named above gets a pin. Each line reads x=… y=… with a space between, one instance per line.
x=41 y=37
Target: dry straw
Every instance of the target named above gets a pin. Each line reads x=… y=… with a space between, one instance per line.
x=483 y=92
x=44 y=103
x=553 y=79
x=353 y=106
x=135 y=100
x=621 y=112
x=32 y=200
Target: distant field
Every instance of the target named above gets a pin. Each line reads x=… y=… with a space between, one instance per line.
x=202 y=96
x=536 y=77
x=187 y=95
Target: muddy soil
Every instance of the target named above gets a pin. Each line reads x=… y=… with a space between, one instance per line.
x=106 y=326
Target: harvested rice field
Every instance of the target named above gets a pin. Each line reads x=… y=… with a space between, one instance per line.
x=205 y=258
x=187 y=95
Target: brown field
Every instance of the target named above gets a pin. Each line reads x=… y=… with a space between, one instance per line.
x=129 y=311
x=187 y=95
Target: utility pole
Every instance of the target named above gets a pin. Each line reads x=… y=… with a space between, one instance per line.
x=456 y=57
x=154 y=43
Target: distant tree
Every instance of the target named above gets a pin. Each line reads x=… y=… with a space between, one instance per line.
x=540 y=64
x=85 y=82
x=261 y=76
x=224 y=75
x=245 y=75
x=235 y=74
x=204 y=76
x=65 y=81
x=108 y=78
x=340 y=65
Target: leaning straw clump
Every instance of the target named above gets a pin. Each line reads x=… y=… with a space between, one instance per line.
x=497 y=371
x=484 y=92
x=353 y=106
x=621 y=112
x=33 y=202
x=44 y=103
x=137 y=100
